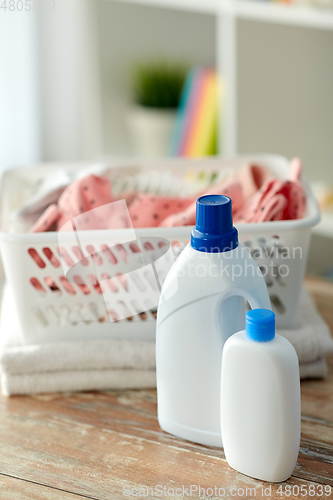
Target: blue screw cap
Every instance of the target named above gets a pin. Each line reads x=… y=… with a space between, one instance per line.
x=260 y=325
x=214 y=231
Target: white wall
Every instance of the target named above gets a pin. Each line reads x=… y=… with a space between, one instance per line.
x=19 y=90
x=286 y=94
x=69 y=75
x=49 y=85
x=131 y=33
x=285 y=75
x=89 y=46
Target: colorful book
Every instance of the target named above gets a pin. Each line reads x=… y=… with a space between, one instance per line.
x=178 y=131
x=204 y=131
x=195 y=132
x=192 y=111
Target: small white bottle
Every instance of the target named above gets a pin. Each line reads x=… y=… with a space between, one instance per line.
x=260 y=391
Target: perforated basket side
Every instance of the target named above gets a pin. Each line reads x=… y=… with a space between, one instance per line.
x=104 y=298
x=49 y=310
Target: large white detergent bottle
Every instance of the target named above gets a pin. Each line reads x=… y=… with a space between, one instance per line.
x=201 y=305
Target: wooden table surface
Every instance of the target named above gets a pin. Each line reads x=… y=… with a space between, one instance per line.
x=99 y=444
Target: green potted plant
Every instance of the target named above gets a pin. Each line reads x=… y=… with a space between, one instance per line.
x=156 y=89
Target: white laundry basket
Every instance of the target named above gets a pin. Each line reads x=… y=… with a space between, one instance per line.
x=59 y=310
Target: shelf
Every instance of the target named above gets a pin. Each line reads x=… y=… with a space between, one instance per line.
x=295 y=15
x=256 y=10
x=203 y=6
x=325 y=226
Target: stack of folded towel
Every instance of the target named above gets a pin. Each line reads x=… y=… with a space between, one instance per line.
x=120 y=364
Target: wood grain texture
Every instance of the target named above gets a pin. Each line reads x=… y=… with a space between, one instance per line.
x=91 y=445
x=12 y=488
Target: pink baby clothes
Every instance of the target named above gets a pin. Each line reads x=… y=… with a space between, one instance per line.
x=267 y=205
x=251 y=177
x=83 y=196
x=47 y=221
x=148 y=210
x=278 y=199
x=232 y=189
x=89 y=204
x=80 y=197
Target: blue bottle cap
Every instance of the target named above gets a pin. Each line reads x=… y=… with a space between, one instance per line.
x=260 y=325
x=214 y=231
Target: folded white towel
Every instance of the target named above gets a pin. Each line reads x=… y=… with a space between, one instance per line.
x=78 y=355
x=315 y=369
x=78 y=380
x=70 y=366
x=112 y=364
x=311 y=338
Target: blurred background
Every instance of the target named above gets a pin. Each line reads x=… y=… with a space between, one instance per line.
x=75 y=75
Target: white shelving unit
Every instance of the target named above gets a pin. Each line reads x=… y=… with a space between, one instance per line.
x=258 y=10
x=227 y=13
